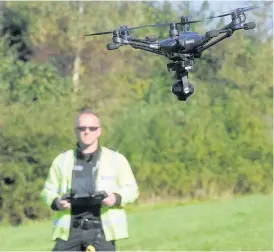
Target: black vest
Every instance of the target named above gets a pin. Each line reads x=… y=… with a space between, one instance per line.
x=83 y=181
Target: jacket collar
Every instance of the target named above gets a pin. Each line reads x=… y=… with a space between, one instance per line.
x=89 y=156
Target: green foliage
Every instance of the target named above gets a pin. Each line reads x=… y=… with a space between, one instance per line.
x=216 y=143
x=26 y=82
x=174 y=153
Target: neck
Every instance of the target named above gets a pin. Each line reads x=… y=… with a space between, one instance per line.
x=89 y=148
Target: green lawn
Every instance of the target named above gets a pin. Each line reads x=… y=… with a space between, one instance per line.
x=240 y=224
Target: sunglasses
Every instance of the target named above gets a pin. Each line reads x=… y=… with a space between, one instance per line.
x=83 y=128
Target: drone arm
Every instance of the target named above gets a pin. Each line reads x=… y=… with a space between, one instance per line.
x=228 y=26
x=153 y=48
x=147 y=49
x=144 y=41
x=229 y=32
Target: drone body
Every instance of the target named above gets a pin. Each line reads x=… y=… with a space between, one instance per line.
x=181 y=47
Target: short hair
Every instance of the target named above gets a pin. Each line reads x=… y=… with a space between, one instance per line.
x=85 y=111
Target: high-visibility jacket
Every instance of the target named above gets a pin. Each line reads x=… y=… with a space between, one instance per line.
x=114 y=175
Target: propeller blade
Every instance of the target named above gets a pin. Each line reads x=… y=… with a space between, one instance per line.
x=225 y=14
x=162 y=25
x=245 y=9
x=229 y=13
x=189 y=22
x=218 y=16
x=250 y=8
x=145 y=26
x=99 y=33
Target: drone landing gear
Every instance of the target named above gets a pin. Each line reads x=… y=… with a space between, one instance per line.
x=182 y=88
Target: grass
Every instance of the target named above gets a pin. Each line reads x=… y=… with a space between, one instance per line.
x=244 y=224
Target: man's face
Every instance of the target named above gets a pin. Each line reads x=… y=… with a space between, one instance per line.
x=87 y=129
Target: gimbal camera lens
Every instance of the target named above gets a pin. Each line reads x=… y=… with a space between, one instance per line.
x=182 y=92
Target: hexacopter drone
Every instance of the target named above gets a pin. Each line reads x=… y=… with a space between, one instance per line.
x=181 y=48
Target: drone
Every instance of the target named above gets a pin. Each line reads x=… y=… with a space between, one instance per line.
x=181 y=48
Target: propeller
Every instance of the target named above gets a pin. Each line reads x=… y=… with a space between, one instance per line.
x=238 y=10
x=139 y=27
x=99 y=33
x=125 y=28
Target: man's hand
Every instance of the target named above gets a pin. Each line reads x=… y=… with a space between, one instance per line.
x=110 y=200
x=63 y=204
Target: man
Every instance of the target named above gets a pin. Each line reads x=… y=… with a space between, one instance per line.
x=89 y=168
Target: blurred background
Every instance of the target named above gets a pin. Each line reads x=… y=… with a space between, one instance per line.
x=217 y=145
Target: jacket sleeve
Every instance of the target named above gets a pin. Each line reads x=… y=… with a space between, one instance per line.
x=51 y=186
x=128 y=188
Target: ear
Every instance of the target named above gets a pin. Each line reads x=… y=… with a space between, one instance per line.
x=99 y=132
x=76 y=133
